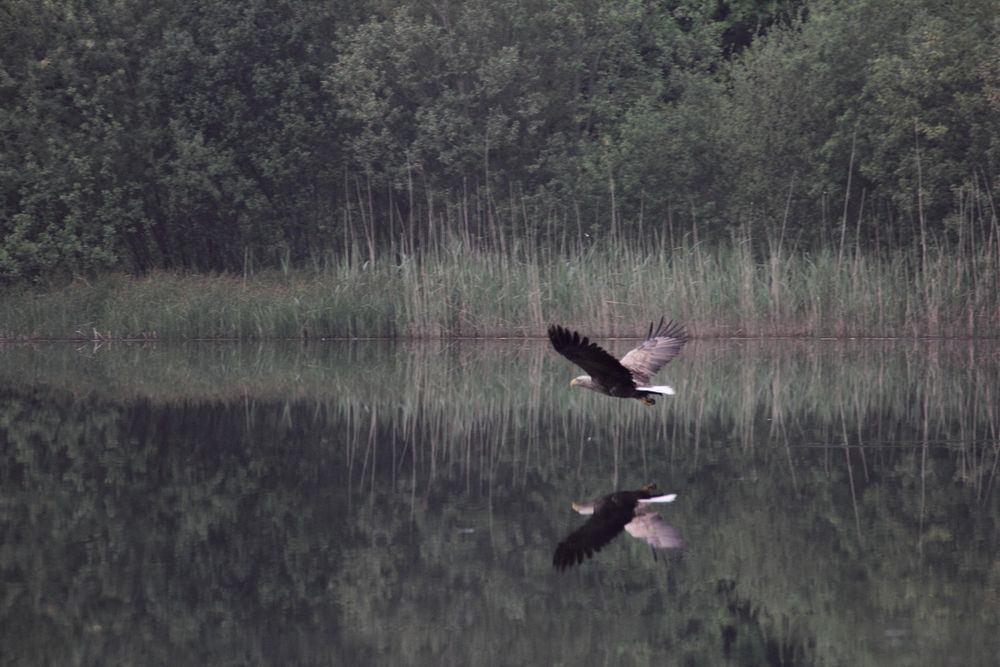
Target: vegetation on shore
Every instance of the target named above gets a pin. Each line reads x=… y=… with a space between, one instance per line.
x=211 y=137
x=612 y=290
x=334 y=169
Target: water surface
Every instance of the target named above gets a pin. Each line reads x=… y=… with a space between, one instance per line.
x=395 y=504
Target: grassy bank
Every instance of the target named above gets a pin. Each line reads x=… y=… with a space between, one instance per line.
x=458 y=289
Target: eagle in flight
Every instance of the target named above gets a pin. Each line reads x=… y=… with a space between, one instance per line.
x=630 y=377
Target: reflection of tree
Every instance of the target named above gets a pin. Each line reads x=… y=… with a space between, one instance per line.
x=162 y=529
x=378 y=504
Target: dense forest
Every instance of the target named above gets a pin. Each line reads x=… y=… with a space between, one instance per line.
x=200 y=135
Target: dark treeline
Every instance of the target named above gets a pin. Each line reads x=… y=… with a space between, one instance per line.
x=139 y=135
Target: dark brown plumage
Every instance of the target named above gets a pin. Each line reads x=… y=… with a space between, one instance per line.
x=623 y=510
x=630 y=377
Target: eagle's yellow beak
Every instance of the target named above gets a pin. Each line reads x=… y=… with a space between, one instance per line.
x=573 y=382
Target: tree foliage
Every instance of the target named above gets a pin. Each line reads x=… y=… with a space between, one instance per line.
x=138 y=135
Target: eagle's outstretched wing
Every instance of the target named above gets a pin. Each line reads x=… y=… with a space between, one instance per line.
x=602 y=527
x=652 y=529
x=661 y=345
x=591 y=357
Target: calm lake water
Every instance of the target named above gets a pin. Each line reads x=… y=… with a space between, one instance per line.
x=381 y=503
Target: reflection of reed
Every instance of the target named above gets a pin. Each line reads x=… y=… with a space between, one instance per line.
x=477 y=409
x=298 y=468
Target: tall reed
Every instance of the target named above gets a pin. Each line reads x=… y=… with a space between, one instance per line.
x=463 y=286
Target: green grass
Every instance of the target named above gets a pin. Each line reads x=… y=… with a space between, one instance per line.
x=458 y=288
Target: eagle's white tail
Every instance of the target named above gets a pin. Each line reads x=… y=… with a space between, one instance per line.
x=659 y=389
x=669 y=498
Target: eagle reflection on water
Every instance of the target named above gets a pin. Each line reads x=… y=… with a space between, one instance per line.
x=631 y=511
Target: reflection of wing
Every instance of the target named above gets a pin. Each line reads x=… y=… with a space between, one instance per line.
x=650 y=527
x=661 y=345
x=588 y=539
x=591 y=357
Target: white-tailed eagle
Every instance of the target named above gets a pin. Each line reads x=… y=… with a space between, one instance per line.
x=630 y=377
